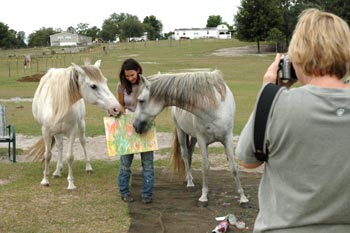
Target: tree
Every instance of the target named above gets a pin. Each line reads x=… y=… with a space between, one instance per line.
x=131 y=27
x=214 y=21
x=153 y=27
x=275 y=35
x=10 y=38
x=93 y=32
x=111 y=26
x=71 y=30
x=337 y=7
x=20 y=38
x=340 y=8
x=82 y=28
x=41 y=37
x=85 y=30
x=255 y=18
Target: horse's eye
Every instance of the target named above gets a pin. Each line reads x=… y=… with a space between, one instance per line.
x=141 y=101
x=93 y=86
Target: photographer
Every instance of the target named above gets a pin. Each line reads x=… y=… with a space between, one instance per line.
x=305 y=186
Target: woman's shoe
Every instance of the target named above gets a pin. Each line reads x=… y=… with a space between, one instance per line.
x=127 y=198
x=147 y=200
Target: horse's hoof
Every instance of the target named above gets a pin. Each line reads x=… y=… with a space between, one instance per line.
x=202 y=203
x=56 y=176
x=45 y=185
x=191 y=189
x=89 y=171
x=245 y=205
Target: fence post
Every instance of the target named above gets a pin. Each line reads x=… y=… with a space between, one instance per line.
x=9 y=64
x=17 y=65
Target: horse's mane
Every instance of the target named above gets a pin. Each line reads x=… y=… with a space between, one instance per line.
x=190 y=89
x=62 y=85
x=93 y=72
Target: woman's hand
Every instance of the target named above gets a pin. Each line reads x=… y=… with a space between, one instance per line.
x=271 y=73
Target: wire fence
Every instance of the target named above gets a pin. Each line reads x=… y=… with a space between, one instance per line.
x=40 y=64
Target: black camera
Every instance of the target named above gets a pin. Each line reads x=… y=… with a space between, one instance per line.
x=286 y=70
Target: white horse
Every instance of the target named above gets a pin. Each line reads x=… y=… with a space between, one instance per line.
x=58 y=106
x=204 y=110
x=27 y=61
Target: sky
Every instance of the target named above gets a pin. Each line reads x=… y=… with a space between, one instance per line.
x=29 y=16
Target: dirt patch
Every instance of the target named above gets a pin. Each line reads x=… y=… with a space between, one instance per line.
x=31 y=78
x=246 y=50
x=4 y=181
x=174 y=209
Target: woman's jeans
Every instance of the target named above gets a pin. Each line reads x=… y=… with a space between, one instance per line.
x=147 y=174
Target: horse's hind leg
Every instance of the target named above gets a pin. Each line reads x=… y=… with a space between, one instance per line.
x=191 y=146
x=47 y=156
x=244 y=202
x=59 y=165
x=184 y=151
x=82 y=139
x=203 y=200
x=70 y=159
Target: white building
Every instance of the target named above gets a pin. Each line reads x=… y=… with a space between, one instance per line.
x=69 y=39
x=219 y=32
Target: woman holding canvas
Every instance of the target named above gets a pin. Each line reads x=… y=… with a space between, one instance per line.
x=127 y=93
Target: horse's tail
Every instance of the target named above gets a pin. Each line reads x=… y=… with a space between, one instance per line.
x=177 y=162
x=37 y=151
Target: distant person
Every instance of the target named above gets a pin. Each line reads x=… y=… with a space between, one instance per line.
x=127 y=93
x=305 y=186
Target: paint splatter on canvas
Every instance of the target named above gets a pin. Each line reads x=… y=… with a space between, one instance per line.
x=122 y=138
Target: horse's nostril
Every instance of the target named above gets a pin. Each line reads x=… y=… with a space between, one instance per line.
x=137 y=130
x=138 y=126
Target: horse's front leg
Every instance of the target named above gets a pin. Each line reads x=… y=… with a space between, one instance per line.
x=47 y=156
x=203 y=200
x=244 y=202
x=184 y=152
x=59 y=165
x=82 y=139
x=70 y=159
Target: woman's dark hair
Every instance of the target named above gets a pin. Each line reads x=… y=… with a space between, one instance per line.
x=129 y=64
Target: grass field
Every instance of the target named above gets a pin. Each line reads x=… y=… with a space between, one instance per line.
x=96 y=206
x=28 y=207
x=242 y=73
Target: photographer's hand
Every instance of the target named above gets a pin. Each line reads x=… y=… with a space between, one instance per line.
x=286 y=84
x=271 y=73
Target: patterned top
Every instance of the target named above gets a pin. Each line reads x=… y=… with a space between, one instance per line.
x=129 y=99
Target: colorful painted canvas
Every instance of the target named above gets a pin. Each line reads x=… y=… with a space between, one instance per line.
x=122 y=138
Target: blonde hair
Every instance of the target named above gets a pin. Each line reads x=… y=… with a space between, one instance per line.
x=321 y=44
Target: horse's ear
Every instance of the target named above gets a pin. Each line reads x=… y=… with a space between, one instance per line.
x=77 y=69
x=98 y=63
x=144 y=81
